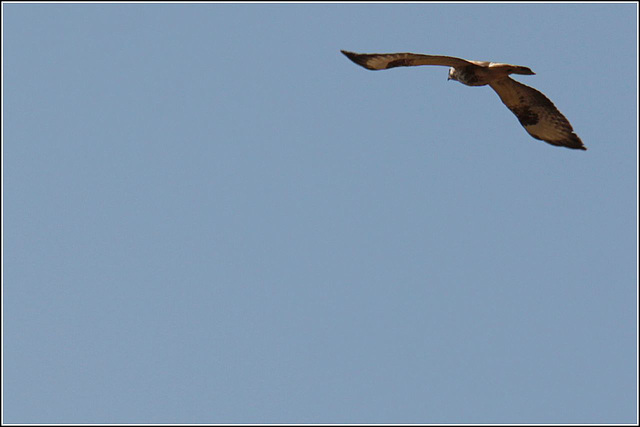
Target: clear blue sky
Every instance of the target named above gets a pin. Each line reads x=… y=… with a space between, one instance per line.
x=213 y=216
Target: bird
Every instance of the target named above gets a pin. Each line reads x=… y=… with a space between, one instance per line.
x=535 y=112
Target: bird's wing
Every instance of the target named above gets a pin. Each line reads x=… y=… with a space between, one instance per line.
x=382 y=61
x=536 y=113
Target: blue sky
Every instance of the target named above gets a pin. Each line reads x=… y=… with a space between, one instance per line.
x=212 y=216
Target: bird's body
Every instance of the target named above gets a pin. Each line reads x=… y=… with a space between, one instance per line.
x=536 y=113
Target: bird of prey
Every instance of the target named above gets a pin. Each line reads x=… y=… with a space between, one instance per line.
x=536 y=112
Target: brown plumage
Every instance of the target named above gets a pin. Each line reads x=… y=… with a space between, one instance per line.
x=536 y=113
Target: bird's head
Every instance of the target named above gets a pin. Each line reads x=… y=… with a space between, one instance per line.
x=453 y=74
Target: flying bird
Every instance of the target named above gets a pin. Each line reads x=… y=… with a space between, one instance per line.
x=536 y=113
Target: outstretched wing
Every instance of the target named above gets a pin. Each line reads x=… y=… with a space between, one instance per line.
x=382 y=61
x=536 y=113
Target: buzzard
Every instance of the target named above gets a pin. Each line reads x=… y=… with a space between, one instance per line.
x=536 y=112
